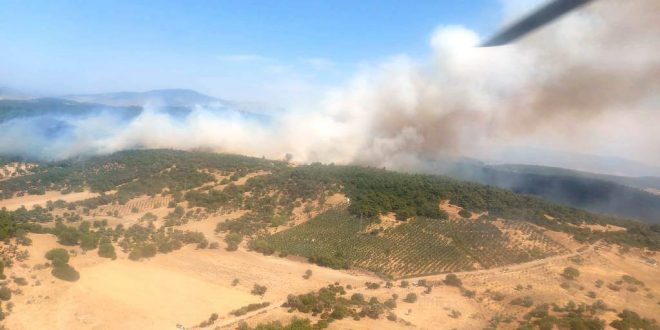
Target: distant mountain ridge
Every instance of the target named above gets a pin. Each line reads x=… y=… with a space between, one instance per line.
x=167 y=97
x=640 y=182
x=608 y=194
x=608 y=165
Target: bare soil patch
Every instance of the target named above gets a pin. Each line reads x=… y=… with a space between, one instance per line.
x=30 y=201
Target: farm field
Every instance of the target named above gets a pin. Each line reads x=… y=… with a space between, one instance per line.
x=418 y=247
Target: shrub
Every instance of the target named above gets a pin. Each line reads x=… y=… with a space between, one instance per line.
x=468 y=293
x=571 y=273
x=5 y=293
x=107 y=250
x=66 y=273
x=613 y=287
x=233 y=239
x=524 y=302
x=464 y=213
x=453 y=280
x=631 y=320
x=59 y=257
x=308 y=274
x=404 y=284
x=89 y=241
x=357 y=298
x=339 y=312
x=249 y=308
x=631 y=280
x=259 y=290
x=411 y=297
x=497 y=296
x=210 y=321
x=234 y=282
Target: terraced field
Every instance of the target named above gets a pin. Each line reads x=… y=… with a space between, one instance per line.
x=421 y=246
x=140 y=204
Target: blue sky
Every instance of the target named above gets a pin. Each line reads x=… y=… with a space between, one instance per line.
x=247 y=50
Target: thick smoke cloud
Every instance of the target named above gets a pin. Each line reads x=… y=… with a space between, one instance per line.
x=590 y=80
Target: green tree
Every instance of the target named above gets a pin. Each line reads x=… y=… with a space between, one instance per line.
x=107 y=250
x=571 y=273
x=59 y=257
x=453 y=280
x=411 y=297
x=89 y=241
x=66 y=273
x=5 y=293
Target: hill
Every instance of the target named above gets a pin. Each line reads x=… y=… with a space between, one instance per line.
x=372 y=192
x=167 y=237
x=639 y=182
x=166 y=97
x=609 y=165
x=607 y=194
x=56 y=108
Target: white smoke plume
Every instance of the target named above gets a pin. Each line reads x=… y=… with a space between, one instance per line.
x=589 y=81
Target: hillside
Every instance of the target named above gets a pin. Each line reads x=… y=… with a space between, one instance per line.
x=642 y=182
x=607 y=194
x=277 y=238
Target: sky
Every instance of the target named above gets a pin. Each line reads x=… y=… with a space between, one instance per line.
x=267 y=51
x=376 y=82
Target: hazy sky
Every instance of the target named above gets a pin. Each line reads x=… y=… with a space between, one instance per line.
x=263 y=50
x=388 y=81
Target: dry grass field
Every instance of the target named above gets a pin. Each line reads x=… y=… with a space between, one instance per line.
x=29 y=201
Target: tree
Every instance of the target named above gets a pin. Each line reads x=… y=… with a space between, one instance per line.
x=59 y=257
x=5 y=293
x=107 y=250
x=66 y=273
x=465 y=213
x=89 y=241
x=357 y=298
x=571 y=273
x=233 y=239
x=411 y=297
x=259 y=290
x=453 y=280
x=629 y=320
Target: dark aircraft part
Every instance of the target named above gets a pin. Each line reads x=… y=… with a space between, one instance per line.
x=542 y=16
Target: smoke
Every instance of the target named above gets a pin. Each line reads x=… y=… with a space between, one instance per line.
x=588 y=82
